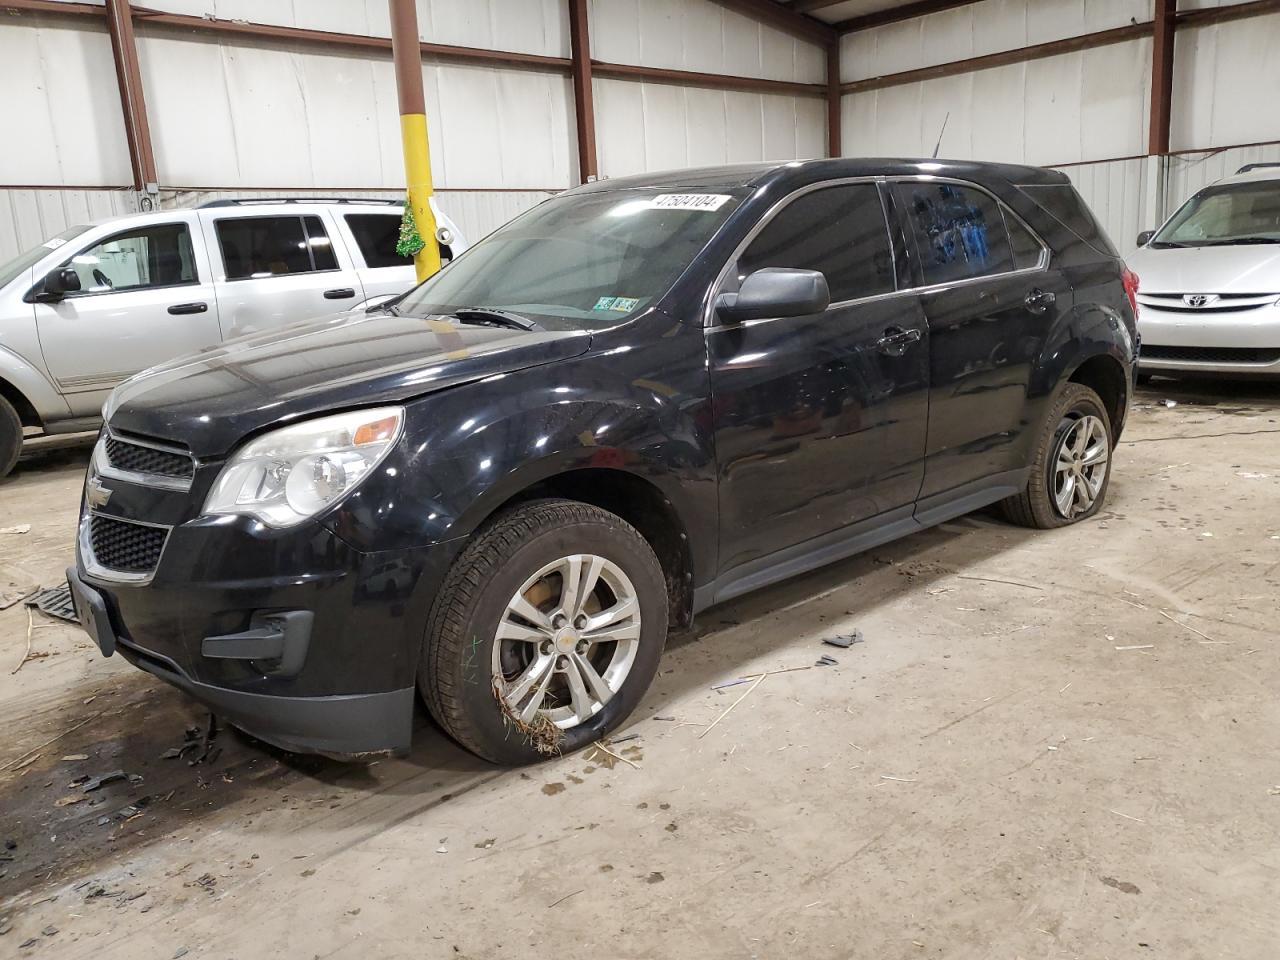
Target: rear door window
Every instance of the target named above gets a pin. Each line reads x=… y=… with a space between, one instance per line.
x=377 y=235
x=839 y=231
x=958 y=231
x=257 y=247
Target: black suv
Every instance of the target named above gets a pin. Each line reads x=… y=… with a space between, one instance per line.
x=641 y=398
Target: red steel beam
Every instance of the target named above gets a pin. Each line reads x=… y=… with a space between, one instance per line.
x=583 y=101
x=1165 y=26
x=835 y=144
x=1003 y=58
x=713 y=81
x=133 y=102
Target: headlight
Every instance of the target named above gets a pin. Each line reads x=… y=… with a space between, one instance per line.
x=293 y=473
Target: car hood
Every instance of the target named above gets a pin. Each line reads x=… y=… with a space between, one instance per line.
x=1251 y=269
x=211 y=400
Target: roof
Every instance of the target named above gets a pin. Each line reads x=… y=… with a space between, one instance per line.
x=737 y=176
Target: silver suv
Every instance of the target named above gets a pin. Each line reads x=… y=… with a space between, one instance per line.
x=96 y=304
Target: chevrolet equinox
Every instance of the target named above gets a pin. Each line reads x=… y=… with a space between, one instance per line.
x=641 y=398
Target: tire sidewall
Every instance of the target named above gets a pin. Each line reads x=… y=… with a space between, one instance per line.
x=495 y=733
x=10 y=437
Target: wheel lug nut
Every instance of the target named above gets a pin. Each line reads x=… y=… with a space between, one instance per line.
x=562 y=662
x=581 y=623
x=558 y=621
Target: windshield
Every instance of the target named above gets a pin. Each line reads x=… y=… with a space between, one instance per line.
x=579 y=262
x=25 y=261
x=1238 y=213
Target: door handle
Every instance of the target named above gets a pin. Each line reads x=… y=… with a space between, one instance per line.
x=1038 y=301
x=341 y=293
x=180 y=308
x=897 y=341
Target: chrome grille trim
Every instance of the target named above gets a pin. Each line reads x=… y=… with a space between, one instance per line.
x=103 y=466
x=99 y=570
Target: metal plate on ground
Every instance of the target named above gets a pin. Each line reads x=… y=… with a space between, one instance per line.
x=56 y=602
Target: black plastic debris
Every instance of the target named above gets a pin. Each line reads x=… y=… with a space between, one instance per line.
x=826 y=661
x=844 y=639
x=98 y=782
x=55 y=601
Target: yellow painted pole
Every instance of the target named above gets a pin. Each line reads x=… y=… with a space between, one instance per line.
x=407 y=53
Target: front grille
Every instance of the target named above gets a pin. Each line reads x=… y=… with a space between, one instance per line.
x=136 y=458
x=1211 y=354
x=124 y=546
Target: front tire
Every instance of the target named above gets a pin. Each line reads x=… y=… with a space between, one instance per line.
x=10 y=437
x=1071 y=470
x=546 y=633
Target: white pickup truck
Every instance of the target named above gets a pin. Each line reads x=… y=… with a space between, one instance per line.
x=98 y=303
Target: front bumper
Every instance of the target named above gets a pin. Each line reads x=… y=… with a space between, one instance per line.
x=346 y=726
x=294 y=635
x=1212 y=341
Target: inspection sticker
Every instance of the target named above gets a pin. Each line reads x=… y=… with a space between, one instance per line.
x=55 y=243
x=620 y=304
x=689 y=201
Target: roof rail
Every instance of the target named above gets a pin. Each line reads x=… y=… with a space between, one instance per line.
x=249 y=201
x=1256 y=166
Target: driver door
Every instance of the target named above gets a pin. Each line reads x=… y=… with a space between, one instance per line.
x=145 y=297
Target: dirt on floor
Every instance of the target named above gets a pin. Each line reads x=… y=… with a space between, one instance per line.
x=1053 y=744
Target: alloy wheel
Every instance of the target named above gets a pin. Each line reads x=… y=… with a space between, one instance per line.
x=1080 y=466
x=566 y=641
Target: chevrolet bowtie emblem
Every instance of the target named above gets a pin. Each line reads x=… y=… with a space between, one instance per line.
x=1199 y=299
x=95 y=494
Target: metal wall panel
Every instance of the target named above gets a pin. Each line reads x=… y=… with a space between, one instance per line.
x=60 y=101
x=1220 y=72
x=650 y=126
x=271 y=117
x=1081 y=106
x=525 y=26
x=975 y=30
x=699 y=35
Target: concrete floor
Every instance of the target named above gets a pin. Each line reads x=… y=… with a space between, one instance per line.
x=1050 y=745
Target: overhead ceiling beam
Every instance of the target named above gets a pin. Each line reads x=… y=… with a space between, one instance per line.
x=920 y=8
x=783 y=18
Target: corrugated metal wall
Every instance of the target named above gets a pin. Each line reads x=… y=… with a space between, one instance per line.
x=235 y=117
x=1087 y=111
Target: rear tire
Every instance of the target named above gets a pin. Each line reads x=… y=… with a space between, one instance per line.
x=10 y=437
x=1071 y=470
x=580 y=601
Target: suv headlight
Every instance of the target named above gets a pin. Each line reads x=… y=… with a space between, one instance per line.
x=291 y=474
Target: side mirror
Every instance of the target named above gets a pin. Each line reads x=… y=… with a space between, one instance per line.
x=775 y=292
x=1145 y=237
x=58 y=284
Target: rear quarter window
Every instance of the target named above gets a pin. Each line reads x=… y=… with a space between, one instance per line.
x=377 y=235
x=1061 y=202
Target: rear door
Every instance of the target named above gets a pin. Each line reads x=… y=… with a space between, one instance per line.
x=374 y=235
x=991 y=298
x=819 y=420
x=275 y=269
x=146 y=296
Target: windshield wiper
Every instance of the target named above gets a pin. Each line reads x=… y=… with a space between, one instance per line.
x=1161 y=244
x=1240 y=241
x=496 y=318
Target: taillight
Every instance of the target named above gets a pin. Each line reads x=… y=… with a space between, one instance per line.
x=1130 y=287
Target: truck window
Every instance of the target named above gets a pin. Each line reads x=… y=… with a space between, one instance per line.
x=959 y=231
x=257 y=247
x=157 y=255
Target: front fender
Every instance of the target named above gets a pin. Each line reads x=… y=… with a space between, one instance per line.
x=28 y=380
x=468 y=450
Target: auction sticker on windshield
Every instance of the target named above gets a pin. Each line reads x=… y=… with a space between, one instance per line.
x=689 y=201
